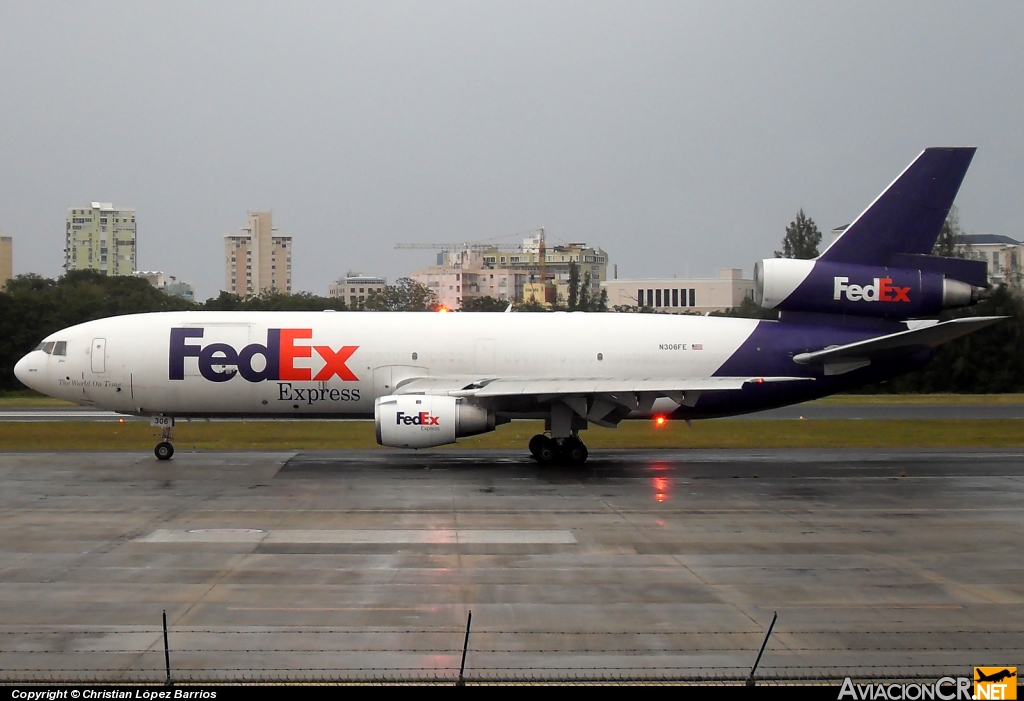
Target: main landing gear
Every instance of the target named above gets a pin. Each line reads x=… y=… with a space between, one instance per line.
x=569 y=450
x=164 y=450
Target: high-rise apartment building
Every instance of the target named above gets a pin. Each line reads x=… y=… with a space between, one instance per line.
x=6 y=260
x=258 y=259
x=100 y=237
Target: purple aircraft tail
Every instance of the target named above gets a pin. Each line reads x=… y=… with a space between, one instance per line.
x=881 y=265
x=907 y=217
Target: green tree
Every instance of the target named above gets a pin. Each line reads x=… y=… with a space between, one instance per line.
x=801 y=240
x=273 y=301
x=574 y=286
x=33 y=307
x=748 y=309
x=945 y=245
x=483 y=304
x=530 y=305
x=406 y=295
x=584 y=299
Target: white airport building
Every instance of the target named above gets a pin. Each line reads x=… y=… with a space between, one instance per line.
x=681 y=295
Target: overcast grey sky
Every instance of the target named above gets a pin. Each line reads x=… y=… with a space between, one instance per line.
x=678 y=136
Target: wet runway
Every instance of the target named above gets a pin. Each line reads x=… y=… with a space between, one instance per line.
x=642 y=565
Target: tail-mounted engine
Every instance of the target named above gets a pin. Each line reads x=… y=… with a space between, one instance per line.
x=423 y=421
x=795 y=285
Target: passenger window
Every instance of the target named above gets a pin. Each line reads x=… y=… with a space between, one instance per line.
x=48 y=348
x=61 y=348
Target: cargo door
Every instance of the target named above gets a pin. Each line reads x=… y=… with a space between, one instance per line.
x=98 y=351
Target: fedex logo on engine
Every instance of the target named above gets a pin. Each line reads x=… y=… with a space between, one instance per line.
x=420 y=419
x=881 y=291
x=219 y=362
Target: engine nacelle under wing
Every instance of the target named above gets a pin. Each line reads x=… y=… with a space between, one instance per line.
x=424 y=421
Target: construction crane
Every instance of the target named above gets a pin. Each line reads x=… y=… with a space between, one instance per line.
x=485 y=245
x=458 y=246
x=481 y=245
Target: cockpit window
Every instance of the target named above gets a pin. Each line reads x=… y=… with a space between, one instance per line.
x=41 y=345
x=61 y=348
x=48 y=347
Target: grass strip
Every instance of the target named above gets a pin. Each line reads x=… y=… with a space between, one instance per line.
x=297 y=435
x=27 y=400
x=902 y=399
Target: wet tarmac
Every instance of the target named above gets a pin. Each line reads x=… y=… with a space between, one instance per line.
x=640 y=565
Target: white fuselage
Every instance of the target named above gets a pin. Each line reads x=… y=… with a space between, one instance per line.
x=336 y=364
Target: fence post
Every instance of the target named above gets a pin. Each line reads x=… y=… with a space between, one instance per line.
x=465 y=649
x=750 y=679
x=167 y=653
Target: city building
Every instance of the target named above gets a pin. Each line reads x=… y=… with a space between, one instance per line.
x=1003 y=255
x=168 y=283
x=6 y=260
x=465 y=275
x=355 y=287
x=100 y=237
x=258 y=259
x=681 y=295
x=511 y=273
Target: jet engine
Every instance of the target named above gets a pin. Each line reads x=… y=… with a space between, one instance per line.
x=423 y=421
x=793 y=285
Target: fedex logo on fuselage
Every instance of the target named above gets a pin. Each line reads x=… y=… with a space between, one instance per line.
x=219 y=362
x=420 y=419
x=881 y=291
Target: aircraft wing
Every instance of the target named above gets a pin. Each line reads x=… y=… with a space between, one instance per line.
x=600 y=400
x=897 y=343
x=568 y=386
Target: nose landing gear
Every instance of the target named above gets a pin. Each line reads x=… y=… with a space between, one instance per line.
x=164 y=450
x=569 y=450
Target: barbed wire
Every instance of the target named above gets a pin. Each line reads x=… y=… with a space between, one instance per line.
x=586 y=656
x=483 y=631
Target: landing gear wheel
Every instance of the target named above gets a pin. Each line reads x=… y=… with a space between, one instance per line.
x=163 y=451
x=574 y=451
x=547 y=450
x=536 y=442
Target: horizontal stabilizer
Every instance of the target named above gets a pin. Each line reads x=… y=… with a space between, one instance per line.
x=898 y=343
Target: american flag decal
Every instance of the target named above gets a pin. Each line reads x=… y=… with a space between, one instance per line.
x=697 y=346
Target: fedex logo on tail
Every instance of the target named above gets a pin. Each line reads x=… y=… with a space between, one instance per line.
x=881 y=291
x=219 y=362
x=421 y=419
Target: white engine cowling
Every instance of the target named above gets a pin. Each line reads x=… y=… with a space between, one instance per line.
x=423 y=421
x=775 y=279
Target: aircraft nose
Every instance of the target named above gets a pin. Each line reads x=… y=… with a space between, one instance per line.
x=27 y=371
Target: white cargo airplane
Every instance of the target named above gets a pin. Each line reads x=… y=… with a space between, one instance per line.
x=428 y=379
